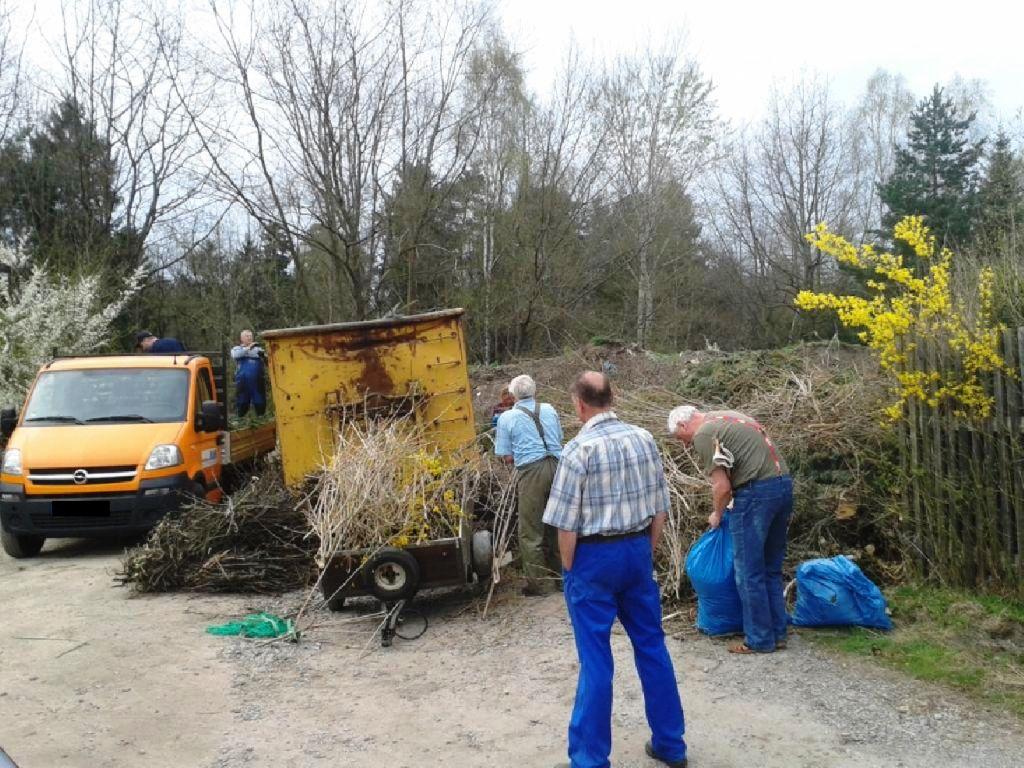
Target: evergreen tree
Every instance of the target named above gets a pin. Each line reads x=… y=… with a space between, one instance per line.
x=1001 y=201
x=936 y=174
x=58 y=190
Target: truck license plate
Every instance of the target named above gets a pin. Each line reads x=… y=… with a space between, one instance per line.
x=81 y=508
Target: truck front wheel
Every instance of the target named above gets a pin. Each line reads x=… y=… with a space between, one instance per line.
x=21 y=545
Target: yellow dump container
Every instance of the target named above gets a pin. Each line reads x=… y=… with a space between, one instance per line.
x=323 y=374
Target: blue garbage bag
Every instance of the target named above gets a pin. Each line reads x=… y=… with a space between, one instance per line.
x=834 y=592
x=710 y=569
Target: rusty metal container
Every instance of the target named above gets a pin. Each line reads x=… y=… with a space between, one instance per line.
x=322 y=374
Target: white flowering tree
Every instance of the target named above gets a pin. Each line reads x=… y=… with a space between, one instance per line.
x=40 y=312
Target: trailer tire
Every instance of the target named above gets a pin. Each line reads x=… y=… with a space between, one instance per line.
x=482 y=554
x=391 y=575
x=21 y=545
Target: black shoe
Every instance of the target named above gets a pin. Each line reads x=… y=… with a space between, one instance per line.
x=649 y=749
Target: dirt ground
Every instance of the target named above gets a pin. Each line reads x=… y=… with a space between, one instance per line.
x=91 y=675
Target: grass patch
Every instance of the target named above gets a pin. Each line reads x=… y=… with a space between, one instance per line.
x=973 y=643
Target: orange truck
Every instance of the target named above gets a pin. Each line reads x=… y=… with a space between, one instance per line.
x=109 y=444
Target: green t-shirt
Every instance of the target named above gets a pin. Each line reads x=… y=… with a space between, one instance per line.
x=752 y=458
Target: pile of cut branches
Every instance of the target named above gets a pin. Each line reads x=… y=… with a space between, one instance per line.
x=819 y=403
x=257 y=540
x=388 y=485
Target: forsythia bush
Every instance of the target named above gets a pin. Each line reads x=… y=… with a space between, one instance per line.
x=905 y=308
x=434 y=512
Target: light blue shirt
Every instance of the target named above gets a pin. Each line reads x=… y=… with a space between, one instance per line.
x=517 y=434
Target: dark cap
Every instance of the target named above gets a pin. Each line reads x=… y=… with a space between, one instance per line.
x=140 y=337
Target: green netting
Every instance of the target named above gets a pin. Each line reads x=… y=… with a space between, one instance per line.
x=256 y=625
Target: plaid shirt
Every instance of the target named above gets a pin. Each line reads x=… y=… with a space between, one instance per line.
x=610 y=480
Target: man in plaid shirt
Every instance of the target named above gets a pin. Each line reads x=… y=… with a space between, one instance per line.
x=609 y=502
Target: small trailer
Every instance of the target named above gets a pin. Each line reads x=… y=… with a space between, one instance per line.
x=323 y=377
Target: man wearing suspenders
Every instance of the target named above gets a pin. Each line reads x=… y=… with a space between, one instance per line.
x=747 y=470
x=530 y=435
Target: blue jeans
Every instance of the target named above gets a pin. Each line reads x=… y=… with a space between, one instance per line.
x=609 y=580
x=758 y=522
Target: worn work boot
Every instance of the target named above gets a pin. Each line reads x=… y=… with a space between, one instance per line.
x=649 y=749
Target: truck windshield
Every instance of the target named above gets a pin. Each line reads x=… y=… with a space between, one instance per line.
x=108 y=396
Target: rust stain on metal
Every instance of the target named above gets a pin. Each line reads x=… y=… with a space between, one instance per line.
x=374 y=377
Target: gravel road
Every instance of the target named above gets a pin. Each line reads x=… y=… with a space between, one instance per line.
x=91 y=675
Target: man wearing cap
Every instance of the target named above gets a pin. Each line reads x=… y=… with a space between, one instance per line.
x=609 y=502
x=746 y=469
x=530 y=435
x=147 y=342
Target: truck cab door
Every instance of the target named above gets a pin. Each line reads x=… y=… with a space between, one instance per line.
x=206 y=439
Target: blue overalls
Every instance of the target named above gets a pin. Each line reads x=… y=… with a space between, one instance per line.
x=249 y=386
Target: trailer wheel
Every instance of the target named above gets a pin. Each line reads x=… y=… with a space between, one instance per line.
x=483 y=554
x=21 y=545
x=392 y=575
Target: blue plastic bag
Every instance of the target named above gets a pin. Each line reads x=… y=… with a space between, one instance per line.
x=834 y=592
x=710 y=569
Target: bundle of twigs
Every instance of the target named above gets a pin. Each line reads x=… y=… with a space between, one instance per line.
x=496 y=500
x=257 y=540
x=387 y=484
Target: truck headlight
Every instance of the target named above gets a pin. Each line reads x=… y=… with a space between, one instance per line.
x=164 y=456
x=12 y=461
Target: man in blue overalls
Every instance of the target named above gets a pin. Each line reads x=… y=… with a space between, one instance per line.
x=609 y=502
x=249 y=386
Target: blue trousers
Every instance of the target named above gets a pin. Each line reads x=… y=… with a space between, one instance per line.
x=758 y=523
x=249 y=391
x=609 y=580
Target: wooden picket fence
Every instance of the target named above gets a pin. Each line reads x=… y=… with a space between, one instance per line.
x=965 y=494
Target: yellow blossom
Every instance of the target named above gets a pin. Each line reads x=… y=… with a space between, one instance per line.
x=905 y=307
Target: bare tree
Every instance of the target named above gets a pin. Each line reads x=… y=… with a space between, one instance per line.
x=658 y=115
x=496 y=80
x=334 y=101
x=880 y=125
x=122 y=65
x=11 y=78
x=557 y=180
x=778 y=182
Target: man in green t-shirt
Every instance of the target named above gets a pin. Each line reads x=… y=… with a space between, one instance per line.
x=750 y=480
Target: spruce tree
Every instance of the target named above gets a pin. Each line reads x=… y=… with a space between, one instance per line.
x=1001 y=201
x=936 y=173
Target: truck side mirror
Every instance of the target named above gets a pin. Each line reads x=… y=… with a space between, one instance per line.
x=8 y=421
x=210 y=417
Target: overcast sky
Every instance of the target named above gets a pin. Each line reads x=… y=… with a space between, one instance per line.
x=745 y=46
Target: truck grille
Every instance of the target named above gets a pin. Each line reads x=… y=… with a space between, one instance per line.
x=82 y=475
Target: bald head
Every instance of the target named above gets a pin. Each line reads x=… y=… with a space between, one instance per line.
x=593 y=389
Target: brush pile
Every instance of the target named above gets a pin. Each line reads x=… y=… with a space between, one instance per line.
x=819 y=403
x=257 y=540
x=388 y=485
